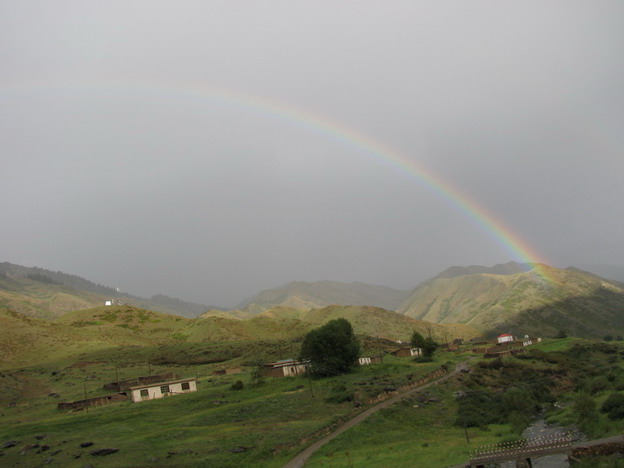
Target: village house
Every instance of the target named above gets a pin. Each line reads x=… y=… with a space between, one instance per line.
x=285 y=368
x=502 y=351
x=364 y=361
x=124 y=385
x=89 y=402
x=407 y=352
x=156 y=390
x=504 y=338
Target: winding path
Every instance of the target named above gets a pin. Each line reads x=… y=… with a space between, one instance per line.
x=299 y=460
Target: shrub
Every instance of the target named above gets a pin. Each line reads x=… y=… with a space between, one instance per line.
x=238 y=385
x=598 y=384
x=340 y=394
x=614 y=406
x=586 y=414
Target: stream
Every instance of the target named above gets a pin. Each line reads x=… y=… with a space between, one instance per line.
x=540 y=428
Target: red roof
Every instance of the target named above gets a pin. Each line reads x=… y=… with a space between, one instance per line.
x=504 y=334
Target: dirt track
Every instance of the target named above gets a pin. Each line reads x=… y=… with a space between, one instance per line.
x=299 y=460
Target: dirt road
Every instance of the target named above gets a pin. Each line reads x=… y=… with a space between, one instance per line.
x=299 y=460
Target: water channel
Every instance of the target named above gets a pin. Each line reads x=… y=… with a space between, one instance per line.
x=539 y=428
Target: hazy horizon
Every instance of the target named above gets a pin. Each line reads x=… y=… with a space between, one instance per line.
x=210 y=150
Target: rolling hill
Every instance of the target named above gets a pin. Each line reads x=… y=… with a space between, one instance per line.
x=27 y=339
x=313 y=295
x=520 y=302
x=42 y=293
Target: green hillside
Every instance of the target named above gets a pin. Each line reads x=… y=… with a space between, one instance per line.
x=48 y=294
x=43 y=299
x=522 y=303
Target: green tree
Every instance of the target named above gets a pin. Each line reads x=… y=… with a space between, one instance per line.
x=331 y=349
x=417 y=340
x=429 y=346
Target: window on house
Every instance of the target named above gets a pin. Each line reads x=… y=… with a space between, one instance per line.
x=144 y=392
x=164 y=389
x=186 y=386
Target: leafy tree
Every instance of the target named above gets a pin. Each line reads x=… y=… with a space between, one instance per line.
x=331 y=349
x=429 y=346
x=561 y=334
x=417 y=340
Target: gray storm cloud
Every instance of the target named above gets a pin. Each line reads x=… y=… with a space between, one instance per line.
x=119 y=164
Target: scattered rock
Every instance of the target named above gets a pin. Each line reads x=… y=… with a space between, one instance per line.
x=434 y=400
x=239 y=449
x=154 y=460
x=86 y=444
x=55 y=395
x=48 y=460
x=56 y=452
x=78 y=455
x=103 y=452
x=40 y=436
x=10 y=443
x=43 y=448
x=54 y=373
x=389 y=389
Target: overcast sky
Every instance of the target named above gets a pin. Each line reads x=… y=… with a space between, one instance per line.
x=126 y=160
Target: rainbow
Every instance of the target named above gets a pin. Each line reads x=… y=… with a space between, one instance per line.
x=514 y=245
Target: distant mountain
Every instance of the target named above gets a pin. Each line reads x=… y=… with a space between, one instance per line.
x=310 y=295
x=612 y=272
x=521 y=302
x=42 y=293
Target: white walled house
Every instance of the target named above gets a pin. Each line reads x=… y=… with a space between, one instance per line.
x=363 y=361
x=162 y=389
x=285 y=368
x=505 y=337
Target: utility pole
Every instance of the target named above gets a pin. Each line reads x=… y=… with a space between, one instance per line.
x=85 y=395
x=310 y=382
x=379 y=349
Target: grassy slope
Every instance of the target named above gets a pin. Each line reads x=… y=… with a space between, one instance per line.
x=26 y=338
x=43 y=300
x=522 y=303
x=272 y=422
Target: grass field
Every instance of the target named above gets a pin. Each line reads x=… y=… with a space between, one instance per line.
x=261 y=425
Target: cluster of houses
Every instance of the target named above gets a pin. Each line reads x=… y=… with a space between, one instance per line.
x=505 y=345
x=163 y=385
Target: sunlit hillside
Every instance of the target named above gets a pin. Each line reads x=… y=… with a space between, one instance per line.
x=565 y=299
